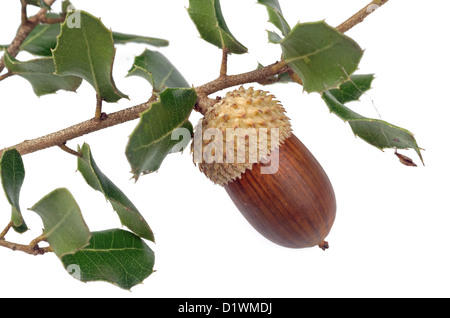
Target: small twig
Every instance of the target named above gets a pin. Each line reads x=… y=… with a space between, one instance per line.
x=32 y=248
x=249 y=77
x=204 y=103
x=98 y=108
x=69 y=150
x=47 y=20
x=269 y=81
x=37 y=240
x=6 y=230
x=279 y=67
x=294 y=76
x=24 y=16
x=6 y=75
x=78 y=130
x=224 y=65
x=360 y=15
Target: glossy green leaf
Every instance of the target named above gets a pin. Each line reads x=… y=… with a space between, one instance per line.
x=276 y=16
x=207 y=17
x=353 y=89
x=85 y=48
x=274 y=37
x=128 y=213
x=12 y=174
x=115 y=256
x=40 y=74
x=66 y=6
x=122 y=38
x=38 y=3
x=64 y=226
x=42 y=39
x=157 y=69
x=322 y=56
x=376 y=132
x=159 y=130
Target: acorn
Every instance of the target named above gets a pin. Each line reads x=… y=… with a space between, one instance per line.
x=245 y=144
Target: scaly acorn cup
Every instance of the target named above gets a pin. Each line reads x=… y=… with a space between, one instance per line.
x=247 y=146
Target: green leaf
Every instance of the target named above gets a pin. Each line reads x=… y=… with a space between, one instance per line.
x=353 y=89
x=64 y=226
x=115 y=256
x=152 y=140
x=322 y=56
x=38 y=3
x=85 y=48
x=40 y=74
x=376 y=132
x=122 y=38
x=276 y=16
x=12 y=175
x=66 y=6
x=128 y=213
x=274 y=37
x=157 y=69
x=42 y=39
x=207 y=17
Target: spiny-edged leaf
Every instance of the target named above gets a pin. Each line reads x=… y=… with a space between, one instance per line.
x=64 y=226
x=122 y=38
x=66 y=6
x=12 y=174
x=152 y=139
x=353 y=89
x=115 y=256
x=85 y=48
x=38 y=3
x=274 y=37
x=374 y=131
x=128 y=213
x=322 y=56
x=157 y=69
x=182 y=137
x=207 y=17
x=40 y=74
x=276 y=16
x=42 y=39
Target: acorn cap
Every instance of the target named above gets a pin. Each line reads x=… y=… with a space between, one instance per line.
x=240 y=130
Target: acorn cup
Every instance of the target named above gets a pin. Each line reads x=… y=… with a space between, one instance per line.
x=247 y=146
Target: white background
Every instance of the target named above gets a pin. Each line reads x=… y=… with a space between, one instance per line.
x=390 y=236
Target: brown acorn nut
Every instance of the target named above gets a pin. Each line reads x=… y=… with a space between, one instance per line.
x=292 y=205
